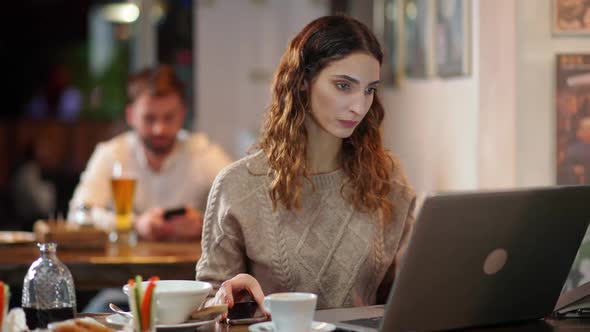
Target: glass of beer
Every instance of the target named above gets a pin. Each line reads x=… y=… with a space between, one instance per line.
x=123 y=188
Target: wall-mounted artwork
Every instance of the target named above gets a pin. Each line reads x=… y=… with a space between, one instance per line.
x=418 y=30
x=571 y=17
x=572 y=101
x=452 y=29
x=573 y=118
x=387 y=24
x=420 y=38
x=384 y=18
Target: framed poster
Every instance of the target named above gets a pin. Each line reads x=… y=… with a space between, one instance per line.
x=571 y=17
x=572 y=100
x=453 y=36
x=384 y=18
x=418 y=30
x=387 y=24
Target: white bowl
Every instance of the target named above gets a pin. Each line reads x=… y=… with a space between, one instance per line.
x=176 y=299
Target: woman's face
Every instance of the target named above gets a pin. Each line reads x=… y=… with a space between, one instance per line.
x=342 y=93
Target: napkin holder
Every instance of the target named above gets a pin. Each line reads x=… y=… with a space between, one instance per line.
x=70 y=235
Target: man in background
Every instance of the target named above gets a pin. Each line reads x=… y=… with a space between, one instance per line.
x=172 y=167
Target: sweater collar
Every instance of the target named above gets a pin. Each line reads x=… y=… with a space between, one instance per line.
x=259 y=165
x=328 y=180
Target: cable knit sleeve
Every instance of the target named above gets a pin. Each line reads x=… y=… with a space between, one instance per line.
x=405 y=203
x=222 y=242
x=387 y=282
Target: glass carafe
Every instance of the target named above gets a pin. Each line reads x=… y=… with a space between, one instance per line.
x=48 y=290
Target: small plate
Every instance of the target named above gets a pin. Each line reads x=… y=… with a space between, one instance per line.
x=315 y=327
x=116 y=319
x=70 y=322
x=15 y=237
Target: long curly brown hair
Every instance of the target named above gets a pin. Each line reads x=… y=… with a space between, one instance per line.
x=284 y=137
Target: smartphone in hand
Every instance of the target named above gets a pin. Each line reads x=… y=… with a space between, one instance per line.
x=169 y=213
x=245 y=313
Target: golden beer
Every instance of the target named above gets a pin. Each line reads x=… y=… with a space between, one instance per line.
x=123 y=190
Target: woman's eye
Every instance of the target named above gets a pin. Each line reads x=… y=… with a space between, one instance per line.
x=343 y=86
x=371 y=90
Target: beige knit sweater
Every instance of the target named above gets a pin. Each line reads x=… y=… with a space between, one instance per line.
x=346 y=257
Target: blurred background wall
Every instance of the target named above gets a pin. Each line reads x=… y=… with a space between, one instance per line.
x=493 y=126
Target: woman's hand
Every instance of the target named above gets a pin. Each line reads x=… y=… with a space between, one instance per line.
x=233 y=290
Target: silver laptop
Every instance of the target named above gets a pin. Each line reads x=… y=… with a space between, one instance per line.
x=480 y=258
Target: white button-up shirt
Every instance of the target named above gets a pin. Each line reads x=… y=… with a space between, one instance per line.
x=185 y=178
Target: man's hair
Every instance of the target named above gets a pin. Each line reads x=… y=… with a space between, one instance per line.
x=157 y=81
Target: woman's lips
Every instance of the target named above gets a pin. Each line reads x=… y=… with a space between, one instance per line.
x=348 y=123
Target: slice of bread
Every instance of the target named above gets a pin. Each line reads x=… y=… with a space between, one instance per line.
x=85 y=324
x=209 y=313
x=91 y=325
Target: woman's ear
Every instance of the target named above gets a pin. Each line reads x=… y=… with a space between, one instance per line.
x=303 y=86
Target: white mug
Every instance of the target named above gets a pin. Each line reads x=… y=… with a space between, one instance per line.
x=291 y=312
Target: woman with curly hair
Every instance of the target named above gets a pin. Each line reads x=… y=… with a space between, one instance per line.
x=321 y=206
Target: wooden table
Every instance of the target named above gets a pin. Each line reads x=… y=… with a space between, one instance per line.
x=94 y=269
x=541 y=325
x=217 y=327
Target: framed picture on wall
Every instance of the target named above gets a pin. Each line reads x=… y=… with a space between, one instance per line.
x=572 y=102
x=571 y=17
x=418 y=32
x=385 y=18
x=452 y=29
x=572 y=98
x=387 y=25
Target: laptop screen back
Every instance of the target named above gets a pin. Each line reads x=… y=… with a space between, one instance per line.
x=488 y=257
